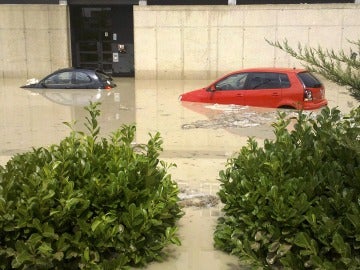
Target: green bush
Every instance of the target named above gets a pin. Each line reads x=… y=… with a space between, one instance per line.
x=295 y=202
x=87 y=203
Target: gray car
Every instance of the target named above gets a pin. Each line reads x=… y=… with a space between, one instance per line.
x=74 y=78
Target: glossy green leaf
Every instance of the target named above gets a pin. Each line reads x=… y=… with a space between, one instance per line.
x=45 y=249
x=88 y=202
x=87 y=254
x=294 y=202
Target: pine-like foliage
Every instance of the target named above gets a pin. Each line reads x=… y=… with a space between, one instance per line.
x=340 y=67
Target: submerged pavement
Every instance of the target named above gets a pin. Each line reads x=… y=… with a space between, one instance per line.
x=198 y=138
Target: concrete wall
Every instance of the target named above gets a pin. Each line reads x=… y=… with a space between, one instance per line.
x=34 y=40
x=180 y=42
x=201 y=42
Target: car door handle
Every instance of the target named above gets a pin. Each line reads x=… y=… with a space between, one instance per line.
x=275 y=94
x=239 y=95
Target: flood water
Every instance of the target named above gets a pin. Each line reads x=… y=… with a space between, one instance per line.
x=198 y=138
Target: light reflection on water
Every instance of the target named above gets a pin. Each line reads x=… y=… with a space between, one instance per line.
x=197 y=137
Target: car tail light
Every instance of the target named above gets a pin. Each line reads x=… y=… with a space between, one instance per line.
x=107 y=87
x=308 y=95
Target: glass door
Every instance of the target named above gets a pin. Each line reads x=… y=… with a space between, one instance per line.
x=102 y=37
x=94 y=39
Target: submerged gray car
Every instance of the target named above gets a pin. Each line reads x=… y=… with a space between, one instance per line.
x=74 y=78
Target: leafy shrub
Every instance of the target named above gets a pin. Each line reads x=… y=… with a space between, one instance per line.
x=87 y=203
x=294 y=203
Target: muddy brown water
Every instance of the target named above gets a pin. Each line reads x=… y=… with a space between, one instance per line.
x=198 y=138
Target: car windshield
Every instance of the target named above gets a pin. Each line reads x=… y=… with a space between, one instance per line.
x=309 y=80
x=234 y=81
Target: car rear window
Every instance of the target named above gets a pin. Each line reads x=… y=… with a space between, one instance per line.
x=309 y=80
x=103 y=77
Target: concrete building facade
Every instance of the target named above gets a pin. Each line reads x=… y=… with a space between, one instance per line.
x=206 y=41
x=34 y=40
x=178 y=42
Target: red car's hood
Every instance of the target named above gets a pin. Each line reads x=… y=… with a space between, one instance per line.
x=195 y=95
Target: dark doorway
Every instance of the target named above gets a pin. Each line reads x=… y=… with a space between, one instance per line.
x=102 y=37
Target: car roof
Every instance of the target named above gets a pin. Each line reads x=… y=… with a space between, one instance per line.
x=75 y=69
x=272 y=69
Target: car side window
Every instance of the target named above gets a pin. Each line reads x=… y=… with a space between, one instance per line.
x=62 y=78
x=284 y=80
x=232 y=82
x=268 y=80
x=82 y=78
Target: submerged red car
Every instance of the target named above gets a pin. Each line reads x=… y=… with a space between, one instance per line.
x=264 y=87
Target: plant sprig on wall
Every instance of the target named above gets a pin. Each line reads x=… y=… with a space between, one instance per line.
x=340 y=67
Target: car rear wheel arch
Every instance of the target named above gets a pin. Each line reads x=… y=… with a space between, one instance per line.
x=288 y=107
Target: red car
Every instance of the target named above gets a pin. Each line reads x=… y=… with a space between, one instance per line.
x=264 y=87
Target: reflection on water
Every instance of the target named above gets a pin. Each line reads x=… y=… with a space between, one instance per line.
x=72 y=97
x=35 y=117
x=197 y=137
